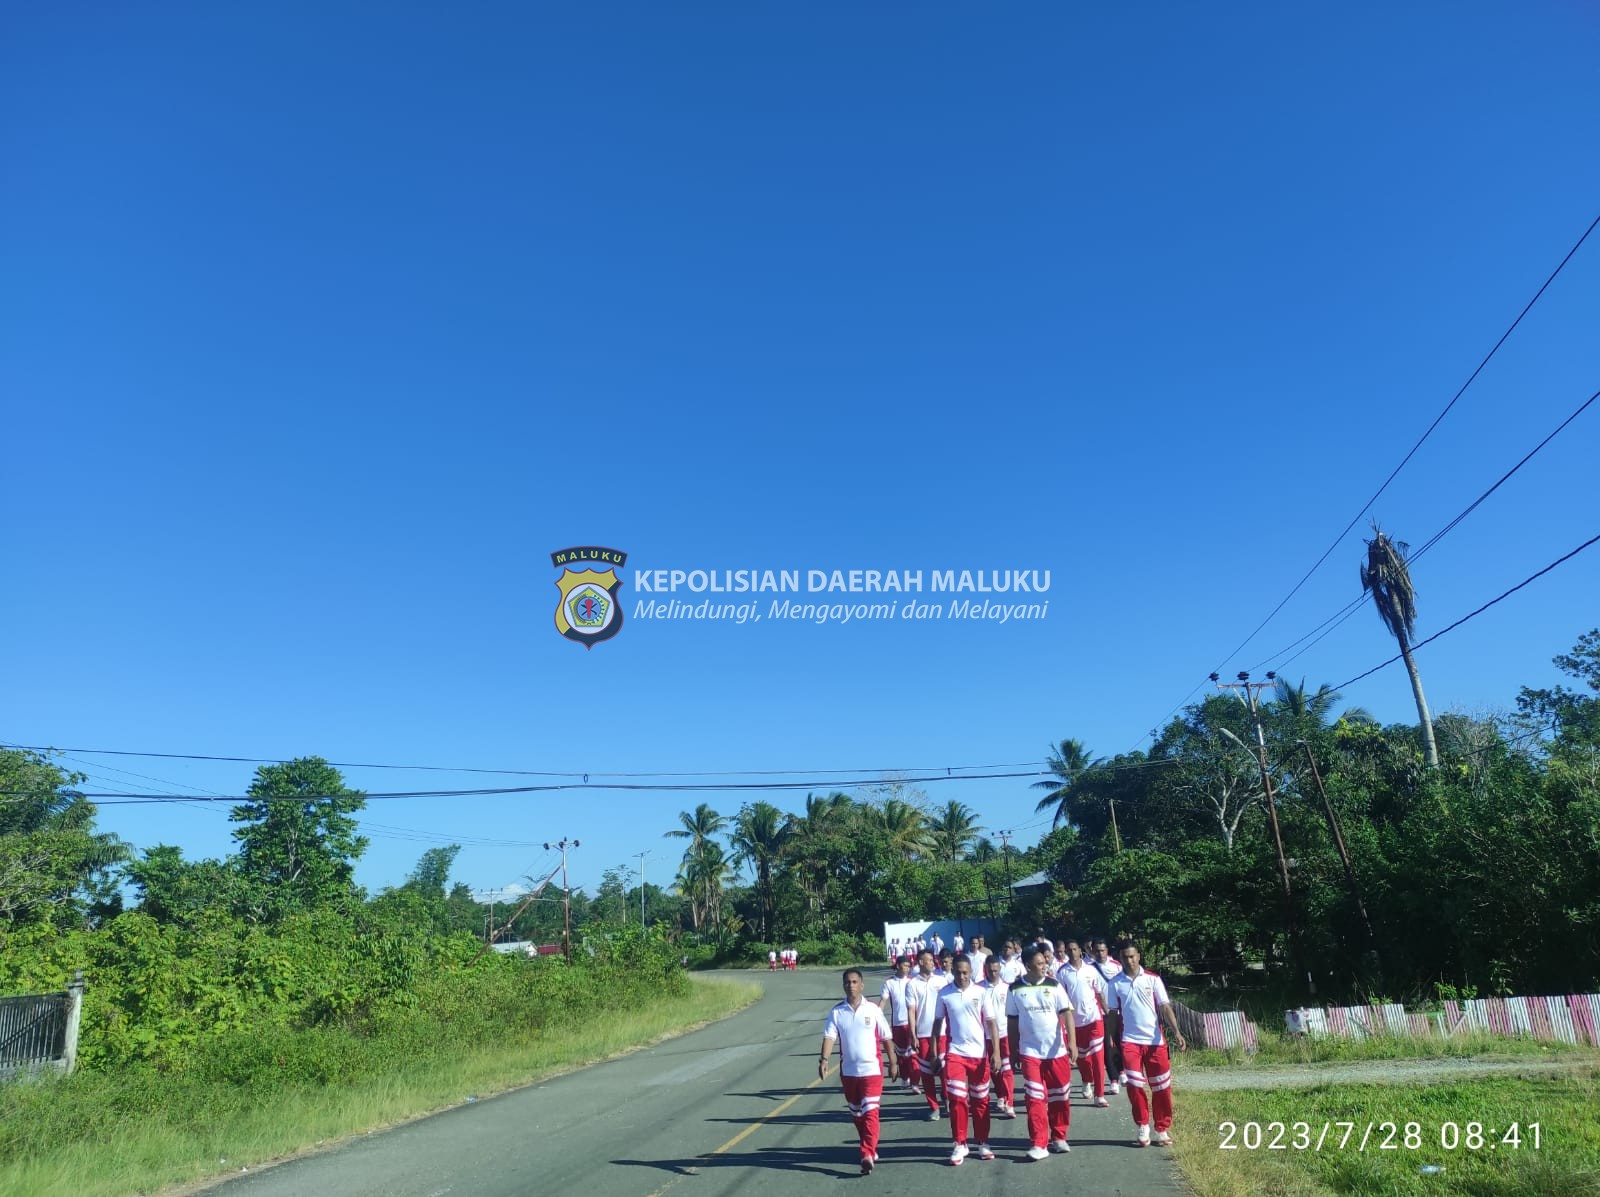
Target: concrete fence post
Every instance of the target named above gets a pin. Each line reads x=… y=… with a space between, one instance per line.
x=69 y=1050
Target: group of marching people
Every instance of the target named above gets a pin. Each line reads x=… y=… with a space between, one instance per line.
x=785 y=959
x=964 y=1024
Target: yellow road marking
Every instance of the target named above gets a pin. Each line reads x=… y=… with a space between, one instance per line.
x=752 y=1128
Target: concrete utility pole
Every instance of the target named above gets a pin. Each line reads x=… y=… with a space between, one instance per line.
x=1005 y=855
x=641 y=856
x=1248 y=693
x=566 y=895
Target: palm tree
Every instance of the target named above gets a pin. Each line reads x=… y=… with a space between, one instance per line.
x=813 y=843
x=904 y=825
x=953 y=829
x=1068 y=762
x=758 y=839
x=703 y=860
x=1386 y=577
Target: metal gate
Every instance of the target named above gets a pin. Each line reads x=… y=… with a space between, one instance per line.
x=40 y=1031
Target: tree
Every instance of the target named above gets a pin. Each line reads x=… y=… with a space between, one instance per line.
x=433 y=871
x=1386 y=578
x=758 y=839
x=1069 y=761
x=298 y=843
x=174 y=890
x=953 y=829
x=704 y=865
x=50 y=854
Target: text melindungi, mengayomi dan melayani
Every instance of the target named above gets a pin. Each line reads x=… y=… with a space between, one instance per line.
x=905 y=586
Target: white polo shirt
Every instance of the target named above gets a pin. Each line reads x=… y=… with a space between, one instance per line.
x=994 y=1004
x=1038 y=1009
x=924 y=995
x=895 y=990
x=858 y=1033
x=1082 y=984
x=1138 y=999
x=962 y=1010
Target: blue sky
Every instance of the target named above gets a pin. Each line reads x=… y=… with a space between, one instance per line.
x=319 y=331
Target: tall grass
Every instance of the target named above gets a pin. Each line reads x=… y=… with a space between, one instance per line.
x=1289 y=1049
x=271 y=1095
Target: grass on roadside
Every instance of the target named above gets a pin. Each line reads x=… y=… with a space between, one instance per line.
x=1285 y=1049
x=1565 y=1163
x=79 y=1139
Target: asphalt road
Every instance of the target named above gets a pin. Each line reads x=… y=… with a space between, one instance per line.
x=734 y=1108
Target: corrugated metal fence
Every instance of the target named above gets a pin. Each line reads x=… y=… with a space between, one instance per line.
x=1216 y=1028
x=39 y=1031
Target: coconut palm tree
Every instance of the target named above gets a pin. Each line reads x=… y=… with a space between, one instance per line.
x=1385 y=576
x=904 y=825
x=703 y=860
x=953 y=829
x=759 y=834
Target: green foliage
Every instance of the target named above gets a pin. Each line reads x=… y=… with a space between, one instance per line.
x=52 y=862
x=298 y=843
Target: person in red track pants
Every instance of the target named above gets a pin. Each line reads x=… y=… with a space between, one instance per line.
x=859 y=1027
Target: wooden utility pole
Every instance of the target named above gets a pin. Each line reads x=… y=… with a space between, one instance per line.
x=1005 y=855
x=566 y=895
x=1248 y=693
x=1344 y=853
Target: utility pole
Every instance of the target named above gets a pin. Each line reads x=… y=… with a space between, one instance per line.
x=566 y=894
x=1005 y=855
x=641 y=856
x=1248 y=693
x=1344 y=853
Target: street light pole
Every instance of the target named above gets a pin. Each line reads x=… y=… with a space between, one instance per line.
x=566 y=894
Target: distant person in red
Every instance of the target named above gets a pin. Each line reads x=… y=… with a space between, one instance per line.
x=922 y=999
x=772 y=960
x=858 y=1027
x=892 y=1001
x=1137 y=999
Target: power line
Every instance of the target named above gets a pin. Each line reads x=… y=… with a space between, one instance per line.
x=253 y=760
x=1470 y=615
x=1344 y=613
x=1412 y=451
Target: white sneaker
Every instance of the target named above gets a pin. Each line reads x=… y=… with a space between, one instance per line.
x=933 y=1115
x=1163 y=1139
x=1007 y=1110
x=1088 y=1090
x=1038 y=1153
x=1144 y=1137
x=984 y=1152
x=1060 y=1146
x=957 y=1154
x=1102 y=1103
x=1113 y=1088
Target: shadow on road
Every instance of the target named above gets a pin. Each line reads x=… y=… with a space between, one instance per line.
x=838 y=1162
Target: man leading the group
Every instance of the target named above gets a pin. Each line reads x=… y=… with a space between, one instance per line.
x=1043 y=1050
x=1138 y=1000
x=858 y=1027
x=960 y=1030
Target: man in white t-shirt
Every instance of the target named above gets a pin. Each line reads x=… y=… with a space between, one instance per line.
x=772 y=960
x=922 y=998
x=1086 y=989
x=978 y=954
x=999 y=1046
x=1044 y=1051
x=959 y=944
x=1138 y=1000
x=858 y=1027
x=961 y=1032
x=893 y=1002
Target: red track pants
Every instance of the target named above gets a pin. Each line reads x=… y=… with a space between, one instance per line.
x=1092 y=1055
x=1047 y=1085
x=1147 y=1064
x=966 y=1080
x=861 y=1097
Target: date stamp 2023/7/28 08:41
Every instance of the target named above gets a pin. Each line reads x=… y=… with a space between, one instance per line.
x=1378 y=1136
